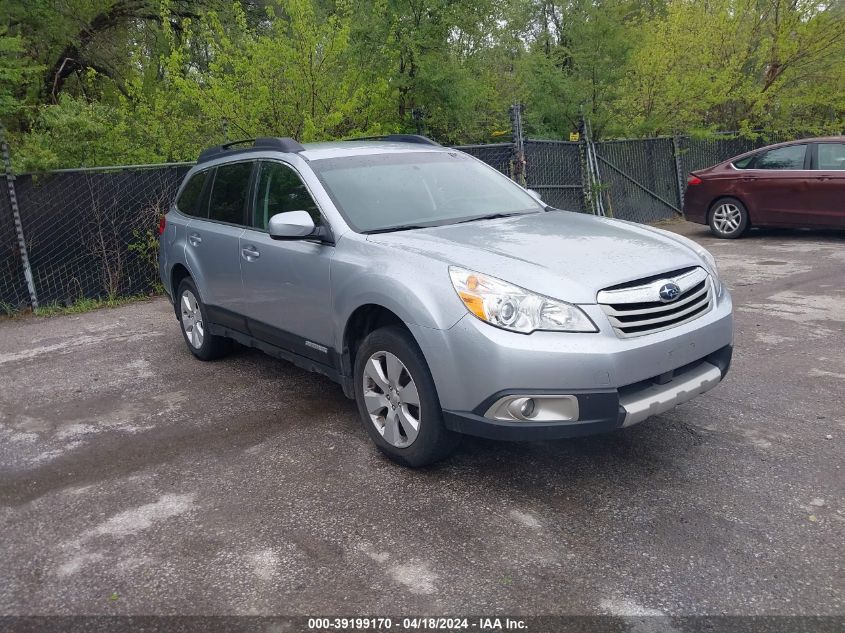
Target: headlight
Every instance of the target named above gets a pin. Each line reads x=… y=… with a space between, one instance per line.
x=709 y=259
x=710 y=264
x=513 y=308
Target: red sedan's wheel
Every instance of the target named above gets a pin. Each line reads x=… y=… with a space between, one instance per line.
x=728 y=218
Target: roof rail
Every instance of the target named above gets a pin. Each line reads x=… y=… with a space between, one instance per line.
x=280 y=144
x=398 y=138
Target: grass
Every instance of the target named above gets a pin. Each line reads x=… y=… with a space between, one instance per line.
x=77 y=307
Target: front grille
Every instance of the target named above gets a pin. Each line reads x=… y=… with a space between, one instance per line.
x=634 y=310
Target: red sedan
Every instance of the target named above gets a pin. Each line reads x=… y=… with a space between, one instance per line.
x=800 y=184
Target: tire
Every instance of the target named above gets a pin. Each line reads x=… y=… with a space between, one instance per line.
x=728 y=218
x=199 y=340
x=386 y=399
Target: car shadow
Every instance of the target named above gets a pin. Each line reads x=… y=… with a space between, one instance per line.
x=657 y=445
x=657 y=449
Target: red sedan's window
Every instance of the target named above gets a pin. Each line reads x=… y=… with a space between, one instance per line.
x=832 y=156
x=744 y=163
x=789 y=157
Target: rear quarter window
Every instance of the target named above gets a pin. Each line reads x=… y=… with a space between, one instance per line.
x=188 y=201
x=744 y=163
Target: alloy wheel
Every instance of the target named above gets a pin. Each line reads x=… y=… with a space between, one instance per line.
x=192 y=319
x=726 y=218
x=391 y=399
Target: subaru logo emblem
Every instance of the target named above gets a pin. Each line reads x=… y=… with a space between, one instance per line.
x=669 y=292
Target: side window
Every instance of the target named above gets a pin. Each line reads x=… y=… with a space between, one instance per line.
x=831 y=156
x=744 y=163
x=189 y=200
x=229 y=191
x=789 y=157
x=280 y=189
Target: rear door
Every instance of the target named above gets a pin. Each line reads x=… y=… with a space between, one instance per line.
x=212 y=243
x=829 y=185
x=190 y=204
x=287 y=284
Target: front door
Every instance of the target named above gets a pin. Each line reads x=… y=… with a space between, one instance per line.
x=286 y=283
x=777 y=185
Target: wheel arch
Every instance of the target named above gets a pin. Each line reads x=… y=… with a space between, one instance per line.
x=361 y=322
x=179 y=272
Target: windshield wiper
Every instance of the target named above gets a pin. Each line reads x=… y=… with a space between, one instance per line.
x=400 y=227
x=492 y=216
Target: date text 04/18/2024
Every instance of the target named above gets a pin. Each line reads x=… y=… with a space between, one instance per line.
x=416 y=624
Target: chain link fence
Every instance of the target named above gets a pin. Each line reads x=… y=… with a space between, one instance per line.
x=639 y=179
x=91 y=233
x=13 y=289
x=551 y=168
x=554 y=170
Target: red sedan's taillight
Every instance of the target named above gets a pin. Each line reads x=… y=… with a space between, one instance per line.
x=693 y=180
x=162 y=224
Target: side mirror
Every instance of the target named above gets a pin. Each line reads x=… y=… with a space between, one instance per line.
x=536 y=195
x=292 y=225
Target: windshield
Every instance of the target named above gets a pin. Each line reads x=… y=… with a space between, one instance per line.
x=385 y=192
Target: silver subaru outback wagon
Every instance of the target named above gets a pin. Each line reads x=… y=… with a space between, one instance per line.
x=441 y=296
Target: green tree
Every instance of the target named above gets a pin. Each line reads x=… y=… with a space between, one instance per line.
x=86 y=82
x=738 y=64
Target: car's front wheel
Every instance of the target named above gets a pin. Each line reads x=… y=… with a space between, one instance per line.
x=202 y=343
x=397 y=399
x=728 y=218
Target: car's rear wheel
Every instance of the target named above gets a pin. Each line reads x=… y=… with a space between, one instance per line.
x=192 y=316
x=397 y=399
x=728 y=218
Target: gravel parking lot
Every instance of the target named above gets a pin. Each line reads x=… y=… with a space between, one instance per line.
x=135 y=479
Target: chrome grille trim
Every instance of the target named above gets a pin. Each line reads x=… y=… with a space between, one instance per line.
x=647 y=293
x=664 y=308
x=637 y=310
x=663 y=316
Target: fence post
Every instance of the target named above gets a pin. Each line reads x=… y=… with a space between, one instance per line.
x=589 y=207
x=679 y=170
x=518 y=144
x=16 y=215
x=594 y=181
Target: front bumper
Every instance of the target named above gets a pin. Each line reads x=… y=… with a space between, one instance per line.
x=475 y=364
x=602 y=411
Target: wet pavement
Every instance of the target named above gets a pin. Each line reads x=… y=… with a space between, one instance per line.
x=136 y=479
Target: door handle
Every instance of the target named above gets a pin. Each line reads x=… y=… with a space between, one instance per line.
x=195 y=239
x=250 y=253
x=824 y=177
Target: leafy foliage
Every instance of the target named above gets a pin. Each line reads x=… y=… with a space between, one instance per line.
x=87 y=82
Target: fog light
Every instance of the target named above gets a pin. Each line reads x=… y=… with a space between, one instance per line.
x=527 y=408
x=521 y=408
x=535 y=407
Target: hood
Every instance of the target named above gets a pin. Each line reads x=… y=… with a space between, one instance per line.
x=560 y=254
